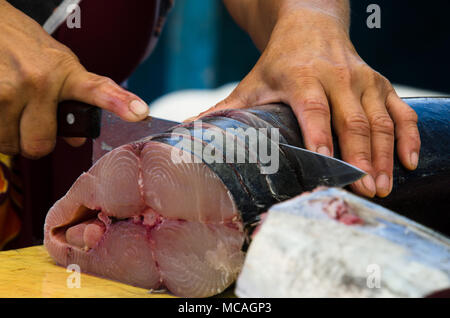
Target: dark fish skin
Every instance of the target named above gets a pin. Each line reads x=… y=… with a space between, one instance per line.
x=284 y=183
x=422 y=195
x=282 y=117
x=247 y=117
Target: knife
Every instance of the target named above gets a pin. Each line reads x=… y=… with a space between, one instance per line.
x=316 y=169
x=116 y=132
x=320 y=170
x=74 y=118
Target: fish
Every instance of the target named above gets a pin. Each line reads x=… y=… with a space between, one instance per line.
x=140 y=217
x=171 y=211
x=423 y=195
x=332 y=243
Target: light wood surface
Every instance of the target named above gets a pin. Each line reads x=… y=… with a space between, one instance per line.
x=31 y=273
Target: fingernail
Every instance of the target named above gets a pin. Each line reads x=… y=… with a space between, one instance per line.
x=323 y=150
x=138 y=108
x=369 y=184
x=414 y=160
x=383 y=184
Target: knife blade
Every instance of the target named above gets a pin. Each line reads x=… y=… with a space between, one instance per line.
x=316 y=169
x=116 y=132
x=320 y=170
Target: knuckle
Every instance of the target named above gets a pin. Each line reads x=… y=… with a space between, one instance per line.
x=321 y=137
x=382 y=123
x=370 y=74
x=306 y=82
x=316 y=106
x=413 y=136
x=98 y=82
x=373 y=78
x=301 y=71
x=361 y=157
x=35 y=77
x=385 y=156
x=411 y=116
x=102 y=81
x=62 y=55
x=374 y=81
x=356 y=124
x=8 y=92
x=344 y=74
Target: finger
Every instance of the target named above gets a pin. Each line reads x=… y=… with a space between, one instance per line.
x=11 y=106
x=75 y=142
x=353 y=130
x=38 y=128
x=382 y=140
x=251 y=91
x=104 y=93
x=310 y=105
x=406 y=130
x=233 y=101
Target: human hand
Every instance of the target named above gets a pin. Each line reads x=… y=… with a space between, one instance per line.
x=310 y=64
x=36 y=73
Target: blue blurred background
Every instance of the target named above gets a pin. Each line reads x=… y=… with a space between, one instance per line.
x=201 y=47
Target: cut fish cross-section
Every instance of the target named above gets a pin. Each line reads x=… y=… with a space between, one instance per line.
x=137 y=218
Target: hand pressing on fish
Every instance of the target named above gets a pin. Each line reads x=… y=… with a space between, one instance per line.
x=309 y=63
x=36 y=73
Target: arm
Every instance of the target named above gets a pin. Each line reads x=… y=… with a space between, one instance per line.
x=309 y=63
x=258 y=18
x=36 y=73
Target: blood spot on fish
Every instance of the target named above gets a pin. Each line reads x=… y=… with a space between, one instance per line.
x=339 y=210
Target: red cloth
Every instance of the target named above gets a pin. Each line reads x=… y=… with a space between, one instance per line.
x=115 y=36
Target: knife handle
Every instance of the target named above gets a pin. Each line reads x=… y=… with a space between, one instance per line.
x=77 y=119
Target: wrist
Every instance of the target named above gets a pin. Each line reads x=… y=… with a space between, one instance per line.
x=306 y=22
x=337 y=11
x=310 y=27
x=314 y=19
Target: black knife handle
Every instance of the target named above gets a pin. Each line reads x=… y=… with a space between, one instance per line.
x=77 y=119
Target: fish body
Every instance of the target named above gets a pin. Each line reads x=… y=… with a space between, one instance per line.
x=166 y=212
x=331 y=243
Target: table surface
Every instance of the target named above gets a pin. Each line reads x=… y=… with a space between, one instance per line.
x=31 y=273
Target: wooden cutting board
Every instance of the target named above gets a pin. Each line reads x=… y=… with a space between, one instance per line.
x=31 y=273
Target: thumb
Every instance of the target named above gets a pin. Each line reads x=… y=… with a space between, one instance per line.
x=233 y=101
x=103 y=92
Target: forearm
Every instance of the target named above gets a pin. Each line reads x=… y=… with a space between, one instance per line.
x=259 y=17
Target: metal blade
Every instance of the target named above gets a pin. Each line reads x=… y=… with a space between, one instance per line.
x=116 y=132
x=317 y=169
x=322 y=170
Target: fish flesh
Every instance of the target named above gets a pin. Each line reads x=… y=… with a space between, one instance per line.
x=331 y=243
x=140 y=217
